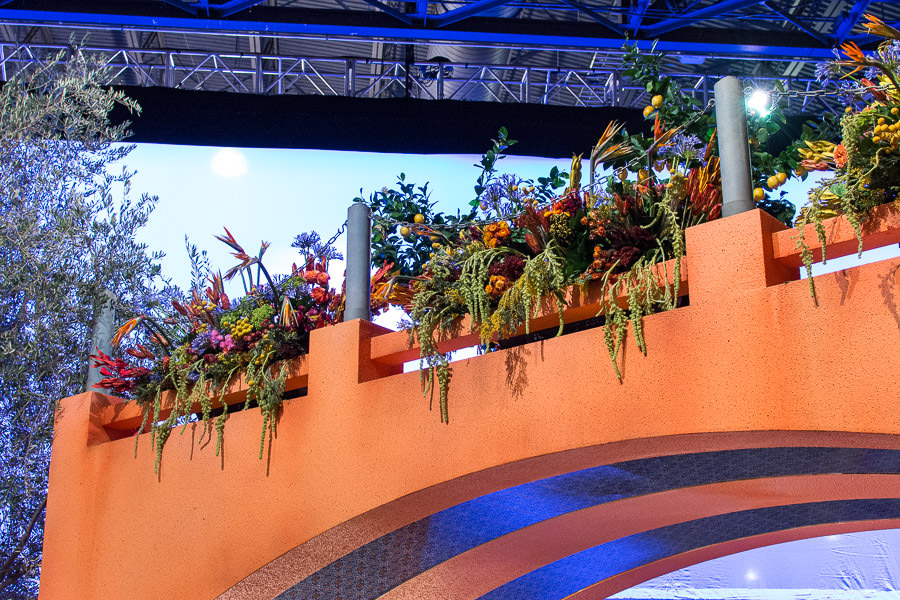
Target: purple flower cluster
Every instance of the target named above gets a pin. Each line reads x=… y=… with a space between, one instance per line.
x=499 y=198
x=200 y=344
x=890 y=54
x=310 y=245
x=827 y=71
x=683 y=145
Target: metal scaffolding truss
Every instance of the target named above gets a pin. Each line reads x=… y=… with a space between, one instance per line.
x=556 y=52
x=431 y=80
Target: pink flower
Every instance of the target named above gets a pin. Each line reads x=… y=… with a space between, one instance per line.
x=227 y=343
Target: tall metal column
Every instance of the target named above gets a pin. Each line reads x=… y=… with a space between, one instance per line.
x=734 y=147
x=359 y=237
x=101 y=338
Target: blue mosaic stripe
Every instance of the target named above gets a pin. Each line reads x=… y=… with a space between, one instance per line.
x=388 y=561
x=574 y=573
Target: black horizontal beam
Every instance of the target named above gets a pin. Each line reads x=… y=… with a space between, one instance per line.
x=372 y=125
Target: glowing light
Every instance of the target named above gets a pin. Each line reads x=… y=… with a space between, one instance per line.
x=229 y=162
x=760 y=102
x=751 y=575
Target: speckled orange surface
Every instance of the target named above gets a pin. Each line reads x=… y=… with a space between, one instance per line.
x=751 y=353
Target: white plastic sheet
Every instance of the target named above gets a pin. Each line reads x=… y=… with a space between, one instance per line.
x=857 y=566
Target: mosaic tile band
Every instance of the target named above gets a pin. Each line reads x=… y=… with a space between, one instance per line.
x=388 y=561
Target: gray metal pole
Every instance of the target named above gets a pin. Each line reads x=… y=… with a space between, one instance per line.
x=734 y=147
x=359 y=236
x=101 y=338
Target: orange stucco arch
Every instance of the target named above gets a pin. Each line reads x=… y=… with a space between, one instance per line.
x=488 y=566
x=751 y=356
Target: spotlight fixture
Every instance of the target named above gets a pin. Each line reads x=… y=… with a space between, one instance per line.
x=760 y=101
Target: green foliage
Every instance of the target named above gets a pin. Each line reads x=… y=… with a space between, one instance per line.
x=554 y=180
x=773 y=149
x=643 y=291
x=64 y=237
x=390 y=207
x=436 y=305
x=543 y=276
x=488 y=163
x=262 y=314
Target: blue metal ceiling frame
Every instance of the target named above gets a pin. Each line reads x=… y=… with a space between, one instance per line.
x=701 y=14
x=423 y=26
x=405 y=34
x=844 y=26
x=596 y=16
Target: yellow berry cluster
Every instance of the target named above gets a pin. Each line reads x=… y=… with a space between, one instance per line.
x=887 y=134
x=240 y=328
x=528 y=192
x=203 y=305
x=265 y=349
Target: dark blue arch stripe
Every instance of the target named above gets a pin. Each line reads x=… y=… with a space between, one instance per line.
x=574 y=573
x=388 y=561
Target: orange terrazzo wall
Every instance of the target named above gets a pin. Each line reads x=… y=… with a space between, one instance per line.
x=751 y=353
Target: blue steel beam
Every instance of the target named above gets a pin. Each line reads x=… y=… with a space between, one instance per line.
x=235 y=6
x=595 y=16
x=799 y=24
x=422 y=9
x=178 y=4
x=637 y=15
x=845 y=25
x=399 y=34
x=464 y=12
x=701 y=14
x=390 y=11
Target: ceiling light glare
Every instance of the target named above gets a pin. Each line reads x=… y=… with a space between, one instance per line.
x=760 y=102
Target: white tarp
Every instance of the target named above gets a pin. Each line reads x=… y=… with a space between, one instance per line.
x=856 y=566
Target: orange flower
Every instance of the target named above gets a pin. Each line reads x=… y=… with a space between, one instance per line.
x=320 y=295
x=497 y=286
x=876 y=26
x=840 y=156
x=856 y=56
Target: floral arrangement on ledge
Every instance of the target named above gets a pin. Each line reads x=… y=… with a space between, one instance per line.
x=866 y=157
x=520 y=242
x=523 y=241
x=197 y=345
